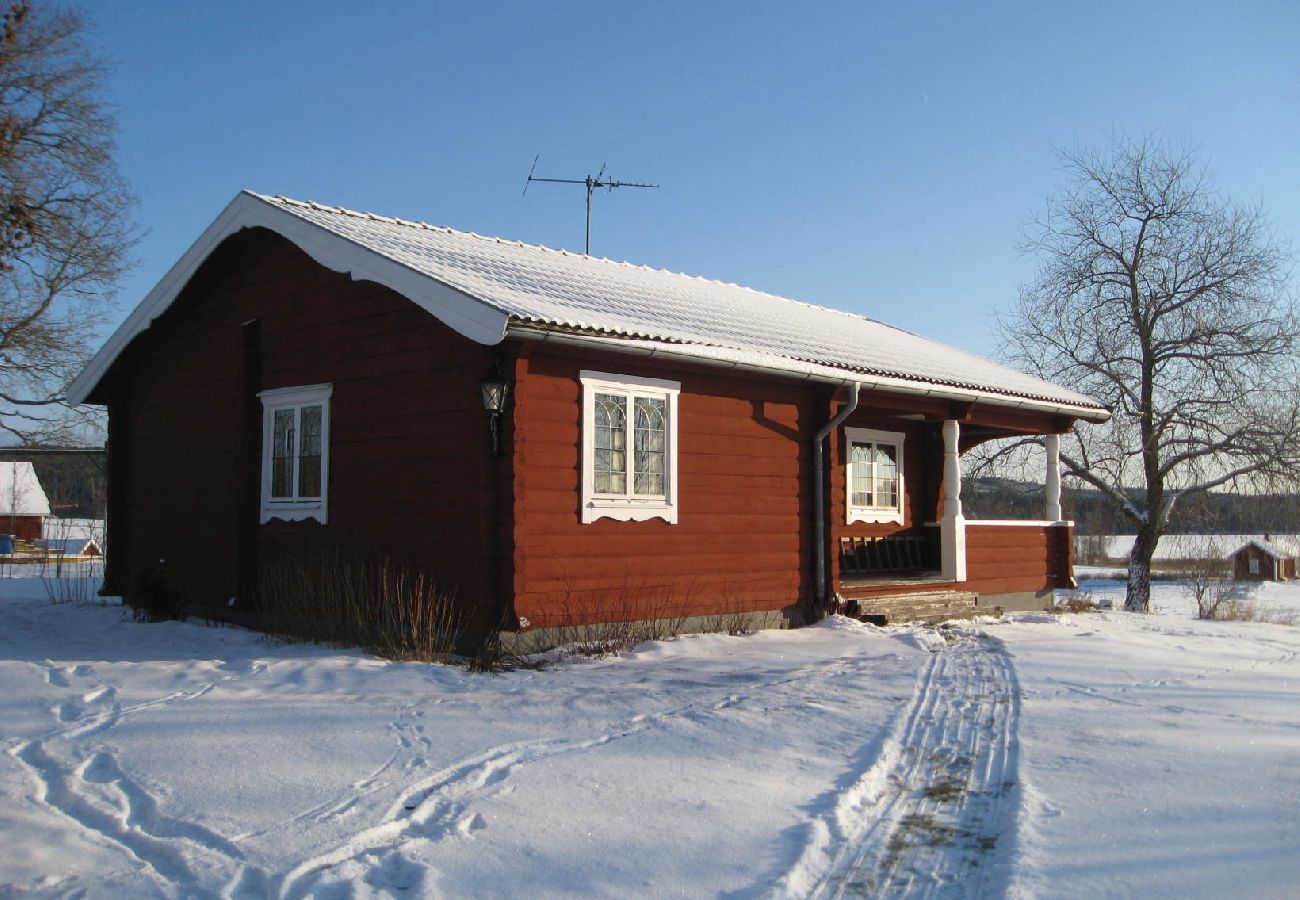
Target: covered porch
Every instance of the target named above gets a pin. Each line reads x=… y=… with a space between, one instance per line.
x=950 y=565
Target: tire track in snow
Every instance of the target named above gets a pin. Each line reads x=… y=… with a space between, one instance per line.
x=928 y=817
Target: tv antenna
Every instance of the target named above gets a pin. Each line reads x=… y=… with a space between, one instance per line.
x=592 y=182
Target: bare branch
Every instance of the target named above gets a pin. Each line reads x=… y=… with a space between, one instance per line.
x=65 y=235
x=1173 y=306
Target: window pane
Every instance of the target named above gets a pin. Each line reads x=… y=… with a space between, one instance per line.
x=860 y=475
x=886 y=475
x=282 y=454
x=309 y=452
x=611 y=444
x=650 y=442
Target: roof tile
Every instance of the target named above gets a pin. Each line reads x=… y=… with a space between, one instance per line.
x=557 y=289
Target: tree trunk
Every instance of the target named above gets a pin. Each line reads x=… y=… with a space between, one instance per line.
x=1137 y=597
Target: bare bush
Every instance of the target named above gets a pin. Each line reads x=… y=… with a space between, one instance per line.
x=1209 y=582
x=379 y=606
x=734 y=623
x=607 y=623
x=1249 y=611
x=66 y=580
x=733 y=620
x=1074 y=602
x=72 y=587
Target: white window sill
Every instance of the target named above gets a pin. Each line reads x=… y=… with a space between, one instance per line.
x=623 y=510
x=875 y=516
x=294 y=512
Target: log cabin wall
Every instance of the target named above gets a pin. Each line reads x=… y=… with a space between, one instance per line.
x=409 y=448
x=742 y=539
x=1005 y=559
x=24 y=528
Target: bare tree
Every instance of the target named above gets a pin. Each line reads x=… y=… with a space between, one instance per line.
x=1171 y=305
x=1209 y=581
x=65 y=234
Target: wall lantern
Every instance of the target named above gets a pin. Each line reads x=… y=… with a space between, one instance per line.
x=494 y=389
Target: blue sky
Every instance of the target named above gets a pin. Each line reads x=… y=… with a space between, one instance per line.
x=877 y=157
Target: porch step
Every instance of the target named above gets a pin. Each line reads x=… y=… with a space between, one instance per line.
x=927 y=607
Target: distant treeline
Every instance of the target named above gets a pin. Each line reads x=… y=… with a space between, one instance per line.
x=1094 y=513
x=75 y=483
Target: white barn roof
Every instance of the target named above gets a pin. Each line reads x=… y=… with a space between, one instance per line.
x=485 y=288
x=1275 y=548
x=21 y=493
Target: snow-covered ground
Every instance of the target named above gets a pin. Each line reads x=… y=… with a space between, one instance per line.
x=1179 y=546
x=1041 y=756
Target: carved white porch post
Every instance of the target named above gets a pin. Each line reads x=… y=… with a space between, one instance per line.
x=952 y=530
x=1053 y=446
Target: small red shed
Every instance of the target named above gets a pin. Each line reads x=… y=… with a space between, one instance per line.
x=1264 y=560
x=23 y=504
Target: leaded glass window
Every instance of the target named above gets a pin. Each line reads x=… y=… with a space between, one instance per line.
x=296 y=452
x=629 y=437
x=309 y=418
x=873 y=473
x=874 y=479
x=611 y=444
x=282 y=454
x=650 y=445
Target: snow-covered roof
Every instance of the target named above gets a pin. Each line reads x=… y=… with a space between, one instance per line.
x=484 y=287
x=1198 y=546
x=1274 y=548
x=75 y=546
x=21 y=493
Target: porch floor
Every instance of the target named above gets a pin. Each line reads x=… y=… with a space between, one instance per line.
x=892 y=580
x=932 y=606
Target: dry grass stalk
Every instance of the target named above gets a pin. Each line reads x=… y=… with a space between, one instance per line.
x=384 y=608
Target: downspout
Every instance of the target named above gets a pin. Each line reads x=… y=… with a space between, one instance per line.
x=819 y=490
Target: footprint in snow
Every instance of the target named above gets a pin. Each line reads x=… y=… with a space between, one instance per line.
x=470 y=824
x=99 y=695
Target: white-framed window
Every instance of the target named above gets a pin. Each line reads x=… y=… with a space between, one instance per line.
x=873 y=475
x=296 y=452
x=629 y=447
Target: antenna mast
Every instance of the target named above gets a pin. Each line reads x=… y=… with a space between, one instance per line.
x=592 y=182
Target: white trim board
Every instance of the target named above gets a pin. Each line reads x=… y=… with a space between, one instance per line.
x=474 y=318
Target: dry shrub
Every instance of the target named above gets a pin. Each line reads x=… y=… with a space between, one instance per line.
x=632 y=617
x=1248 y=611
x=1209 y=582
x=1074 y=602
x=382 y=607
x=606 y=623
x=152 y=599
x=76 y=588
x=732 y=620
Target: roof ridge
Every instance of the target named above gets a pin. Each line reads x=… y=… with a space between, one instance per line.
x=395 y=220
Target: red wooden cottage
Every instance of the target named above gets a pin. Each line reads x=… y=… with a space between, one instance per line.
x=23 y=504
x=307 y=376
x=1264 y=560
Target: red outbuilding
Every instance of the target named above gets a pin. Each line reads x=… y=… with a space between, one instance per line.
x=23 y=504
x=309 y=377
x=1264 y=560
